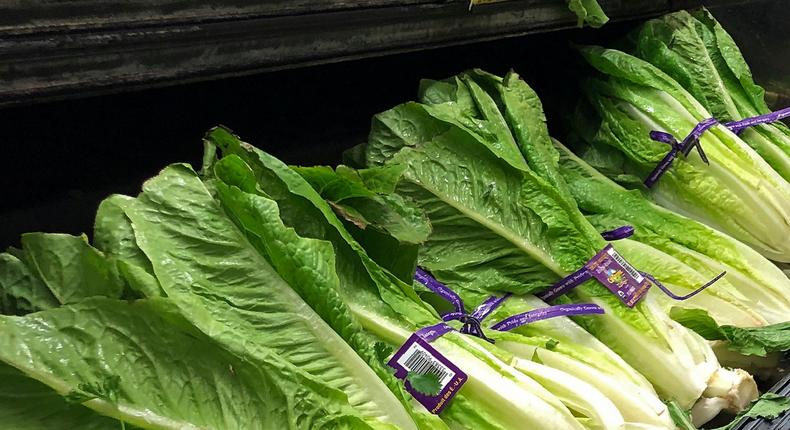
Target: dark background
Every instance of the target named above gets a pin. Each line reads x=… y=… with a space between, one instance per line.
x=61 y=158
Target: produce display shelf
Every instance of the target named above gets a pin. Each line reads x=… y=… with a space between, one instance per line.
x=78 y=47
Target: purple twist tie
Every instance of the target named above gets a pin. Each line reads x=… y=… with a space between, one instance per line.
x=471 y=322
x=489 y=306
x=618 y=233
x=687 y=296
x=691 y=141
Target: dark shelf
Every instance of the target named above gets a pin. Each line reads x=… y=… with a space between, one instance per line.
x=64 y=157
x=57 y=49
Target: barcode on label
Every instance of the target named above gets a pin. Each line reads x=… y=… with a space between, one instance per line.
x=418 y=360
x=627 y=266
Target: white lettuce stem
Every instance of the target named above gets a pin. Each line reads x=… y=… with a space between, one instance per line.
x=516 y=400
x=706 y=409
x=728 y=390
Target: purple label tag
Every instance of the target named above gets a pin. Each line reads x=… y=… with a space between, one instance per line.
x=616 y=274
x=416 y=355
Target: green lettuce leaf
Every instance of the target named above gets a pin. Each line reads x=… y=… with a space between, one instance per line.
x=755 y=282
x=388 y=226
x=113 y=234
x=244 y=304
x=21 y=289
x=365 y=198
x=633 y=98
x=748 y=341
x=54 y=269
x=70 y=268
x=390 y=310
x=137 y=362
x=680 y=417
x=26 y=404
x=768 y=406
x=694 y=49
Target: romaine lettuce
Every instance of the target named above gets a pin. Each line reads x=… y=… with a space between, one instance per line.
x=558 y=347
x=760 y=290
x=244 y=304
x=696 y=51
x=503 y=219
x=388 y=308
x=26 y=404
x=737 y=193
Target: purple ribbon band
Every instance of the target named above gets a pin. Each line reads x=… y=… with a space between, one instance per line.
x=692 y=140
x=442 y=290
x=738 y=126
x=473 y=322
x=618 y=233
x=545 y=313
x=433 y=332
x=565 y=284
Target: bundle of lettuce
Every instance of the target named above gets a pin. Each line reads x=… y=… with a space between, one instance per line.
x=557 y=352
x=183 y=321
x=737 y=192
x=478 y=159
x=236 y=298
x=696 y=51
x=754 y=293
x=505 y=389
x=753 y=298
